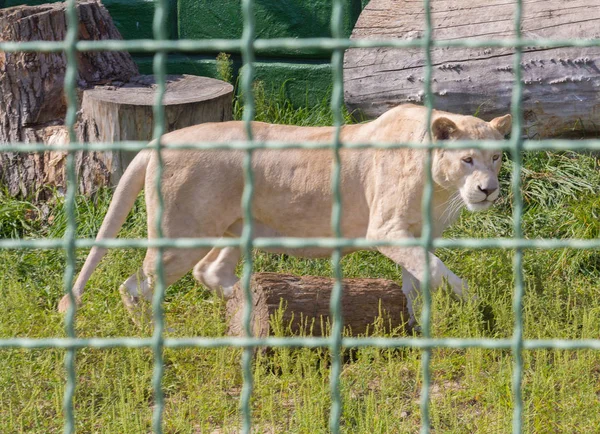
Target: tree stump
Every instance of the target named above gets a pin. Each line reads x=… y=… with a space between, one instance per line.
x=32 y=101
x=561 y=85
x=306 y=303
x=117 y=113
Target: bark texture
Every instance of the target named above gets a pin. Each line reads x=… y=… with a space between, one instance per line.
x=561 y=85
x=115 y=101
x=32 y=84
x=32 y=103
x=306 y=299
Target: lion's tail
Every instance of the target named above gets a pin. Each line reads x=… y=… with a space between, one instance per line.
x=131 y=183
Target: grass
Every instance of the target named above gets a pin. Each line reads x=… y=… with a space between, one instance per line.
x=471 y=390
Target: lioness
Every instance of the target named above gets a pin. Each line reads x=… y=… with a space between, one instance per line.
x=381 y=192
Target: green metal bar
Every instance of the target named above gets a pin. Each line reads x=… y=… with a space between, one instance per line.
x=427 y=230
x=517 y=114
x=298 y=342
x=337 y=70
x=298 y=243
x=159 y=67
x=527 y=145
x=71 y=231
x=247 y=49
x=262 y=45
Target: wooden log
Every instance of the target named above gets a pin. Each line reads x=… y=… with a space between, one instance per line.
x=32 y=98
x=111 y=114
x=306 y=299
x=561 y=85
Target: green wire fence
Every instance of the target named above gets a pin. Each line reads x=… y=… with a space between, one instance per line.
x=248 y=46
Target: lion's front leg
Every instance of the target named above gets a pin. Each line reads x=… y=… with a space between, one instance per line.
x=216 y=270
x=411 y=289
x=412 y=260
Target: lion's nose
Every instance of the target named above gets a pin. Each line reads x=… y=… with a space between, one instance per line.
x=487 y=190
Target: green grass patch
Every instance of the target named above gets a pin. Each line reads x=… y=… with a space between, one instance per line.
x=471 y=389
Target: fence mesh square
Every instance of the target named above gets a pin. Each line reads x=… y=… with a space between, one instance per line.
x=247 y=45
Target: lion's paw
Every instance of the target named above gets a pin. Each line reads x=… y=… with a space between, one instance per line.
x=65 y=303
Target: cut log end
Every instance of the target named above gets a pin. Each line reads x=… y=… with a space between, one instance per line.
x=110 y=113
x=114 y=113
x=367 y=305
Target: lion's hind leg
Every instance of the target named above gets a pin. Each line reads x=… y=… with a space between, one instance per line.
x=216 y=270
x=136 y=294
x=138 y=290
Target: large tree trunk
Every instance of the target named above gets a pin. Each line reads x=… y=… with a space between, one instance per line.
x=32 y=84
x=28 y=174
x=306 y=299
x=561 y=85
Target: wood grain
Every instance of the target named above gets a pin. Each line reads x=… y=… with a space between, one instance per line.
x=306 y=299
x=561 y=85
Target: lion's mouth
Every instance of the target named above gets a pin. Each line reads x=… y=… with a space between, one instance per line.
x=479 y=206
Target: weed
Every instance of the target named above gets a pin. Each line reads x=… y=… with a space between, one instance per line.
x=275 y=107
x=17 y=217
x=225 y=67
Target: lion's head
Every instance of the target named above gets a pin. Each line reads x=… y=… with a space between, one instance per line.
x=473 y=172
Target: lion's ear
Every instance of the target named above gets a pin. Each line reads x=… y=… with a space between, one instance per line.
x=503 y=124
x=443 y=129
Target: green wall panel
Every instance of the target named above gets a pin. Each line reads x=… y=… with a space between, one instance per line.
x=206 y=19
x=179 y=64
x=303 y=83
x=133 y=18
x=303 y=76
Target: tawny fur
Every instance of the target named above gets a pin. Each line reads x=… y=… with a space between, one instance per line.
x=381 y=194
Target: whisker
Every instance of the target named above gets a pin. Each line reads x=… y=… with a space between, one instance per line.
x=450 y=198
x=454 y=207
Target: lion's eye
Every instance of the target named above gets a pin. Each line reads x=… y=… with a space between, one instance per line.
x=468 y=160
x=495 y=157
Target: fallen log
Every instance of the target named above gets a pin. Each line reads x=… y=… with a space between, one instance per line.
x=305 y=301
x=561 y=85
